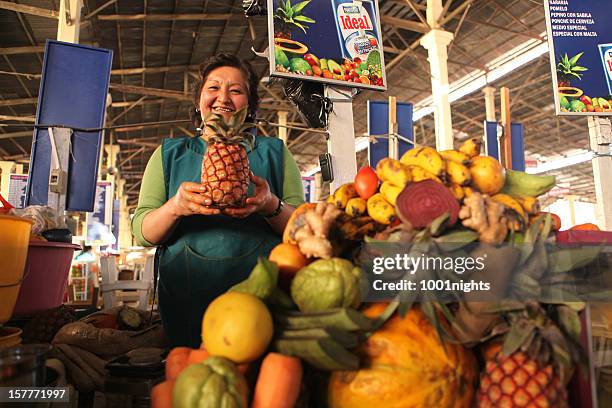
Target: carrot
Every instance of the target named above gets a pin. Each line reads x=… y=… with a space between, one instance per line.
x=161 y=394
x=278 y=384
x=197 y=356
x=176 y=362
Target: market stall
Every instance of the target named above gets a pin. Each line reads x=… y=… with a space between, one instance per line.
x=426 y=277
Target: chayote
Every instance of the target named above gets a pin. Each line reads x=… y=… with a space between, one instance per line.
x=327 y=284
x=214 y=383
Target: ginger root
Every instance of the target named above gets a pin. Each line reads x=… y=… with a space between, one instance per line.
x=485 y=216
x=310 y=229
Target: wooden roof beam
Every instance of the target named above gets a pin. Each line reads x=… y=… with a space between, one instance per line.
x=154 y=70
x=22 y=50
x=405 y=24
x=168 y=17
x=35 y=11
x=21 y=101
x=141 y=90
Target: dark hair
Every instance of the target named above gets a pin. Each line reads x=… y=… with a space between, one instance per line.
x=226 y=60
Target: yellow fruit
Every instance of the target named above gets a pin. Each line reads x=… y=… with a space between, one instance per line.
x=420 y=174
x=471 y=147
x=455 y=156
x=380 y=209
x=390 y=192
x=356 y=207
x=488 y=175
x=330 y=199
x=514 y=205
x=393 y=171
x=343 y=194
x=457 y=173
x=404 y=364
x=531 y=205
x=237 y=326
x=457 y=191
x=426 y=157
x=468 y=191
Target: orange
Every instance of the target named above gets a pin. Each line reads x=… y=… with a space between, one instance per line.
x=585 y=227
x=288 y=258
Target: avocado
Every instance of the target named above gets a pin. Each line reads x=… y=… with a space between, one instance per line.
x=564 y=102
x=334 y=67
x=578 y=106
x=280 y=57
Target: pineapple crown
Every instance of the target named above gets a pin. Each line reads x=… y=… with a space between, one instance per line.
x=234 y=131
x=568 y=66
x=292 y=15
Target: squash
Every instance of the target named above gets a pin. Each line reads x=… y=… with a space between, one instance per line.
x=405 y=365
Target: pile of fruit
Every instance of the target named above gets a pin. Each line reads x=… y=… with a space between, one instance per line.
x=297 y=333
x=355 y=70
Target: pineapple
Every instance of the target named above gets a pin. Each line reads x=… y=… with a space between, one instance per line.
x=225 y=167
x=568 y=68
x=536 y=360
x=287 y=17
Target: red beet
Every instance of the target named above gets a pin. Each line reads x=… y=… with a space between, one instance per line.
x=421 y=203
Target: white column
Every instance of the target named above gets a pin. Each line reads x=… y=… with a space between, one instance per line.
x=112 y=152
x=434 y=12
x=69 y=21
x=282 y=121
x=436 y=42
x=6 y=168
x=489 y=95
x=341 y=143
x=600 y=134
x=318 y=186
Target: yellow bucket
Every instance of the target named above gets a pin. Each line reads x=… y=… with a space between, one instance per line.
x=14 y=240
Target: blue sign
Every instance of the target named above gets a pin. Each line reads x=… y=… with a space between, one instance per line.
x=378 y=124
x=73 y=90
x=333 y=41
x=580 y=44
x=517 y=142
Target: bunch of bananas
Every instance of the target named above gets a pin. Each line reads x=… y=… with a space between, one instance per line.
x=376 y=206
x=322 y=338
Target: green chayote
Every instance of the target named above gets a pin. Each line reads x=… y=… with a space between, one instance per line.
x=214 y=383
x=327 y=284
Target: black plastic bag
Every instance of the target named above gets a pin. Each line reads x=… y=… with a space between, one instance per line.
x=309 y=99
x=254 y=7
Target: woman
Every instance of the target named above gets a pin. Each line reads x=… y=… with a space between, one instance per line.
x=204 y=251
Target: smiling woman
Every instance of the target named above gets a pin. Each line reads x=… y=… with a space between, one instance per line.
x=209 y=236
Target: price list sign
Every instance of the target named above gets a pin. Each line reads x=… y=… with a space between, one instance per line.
x=580 y=43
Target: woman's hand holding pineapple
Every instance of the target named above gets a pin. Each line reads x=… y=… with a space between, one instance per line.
x=262 y=202
x=189 y=201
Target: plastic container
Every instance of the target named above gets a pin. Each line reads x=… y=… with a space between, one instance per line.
x=23 y=366
x=46 y=277
x=14 y=238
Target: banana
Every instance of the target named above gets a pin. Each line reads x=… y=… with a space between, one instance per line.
x=457 y=191
x=345 y=319
x=325 y=354
x=511 y=203
x=471 y=147
x=390 y=192
x=531 y=205
x=519 y=183
x=414 y=152
x=380 y=209
x=330 y=199
x=457 y=173
x=420 y=174
x=343 y=194
x=428 y=158
x=393 y=171
x=356 y=207
x=455 y=156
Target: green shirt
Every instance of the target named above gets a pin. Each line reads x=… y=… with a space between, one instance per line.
x=153 y=191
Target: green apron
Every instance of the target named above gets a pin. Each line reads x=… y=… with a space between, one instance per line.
x=206 y=255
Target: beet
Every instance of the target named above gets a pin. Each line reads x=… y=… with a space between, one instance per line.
x=421 y=203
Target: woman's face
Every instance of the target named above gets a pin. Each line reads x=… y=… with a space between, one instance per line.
x=224 y=92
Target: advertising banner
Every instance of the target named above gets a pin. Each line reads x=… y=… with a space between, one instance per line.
x=580 y=43
x=333 y=41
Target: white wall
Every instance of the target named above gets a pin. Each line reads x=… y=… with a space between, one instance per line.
x=583 y=212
